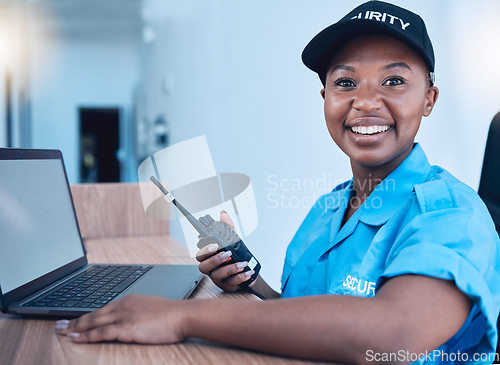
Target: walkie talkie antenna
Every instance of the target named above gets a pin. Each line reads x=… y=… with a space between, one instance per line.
x=170 y=198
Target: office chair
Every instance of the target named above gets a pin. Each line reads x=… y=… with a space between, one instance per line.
x=490 y=175
x=490 y=179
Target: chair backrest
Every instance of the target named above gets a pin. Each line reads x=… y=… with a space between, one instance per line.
x=490 y=175
x=113 y=210
x=490 y=178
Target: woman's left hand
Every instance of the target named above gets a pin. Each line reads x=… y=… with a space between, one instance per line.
x=135 y=318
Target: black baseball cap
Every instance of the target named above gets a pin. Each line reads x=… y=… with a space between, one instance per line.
x=369 y=18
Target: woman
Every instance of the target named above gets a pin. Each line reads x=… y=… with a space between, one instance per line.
x=401 y=260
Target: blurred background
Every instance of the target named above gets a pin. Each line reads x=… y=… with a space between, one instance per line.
x=111 y=82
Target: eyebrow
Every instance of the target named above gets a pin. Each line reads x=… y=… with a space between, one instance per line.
x=387 y=67
x=342 y=67
x=397 y=64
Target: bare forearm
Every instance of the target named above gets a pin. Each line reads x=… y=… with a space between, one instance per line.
x=403 y=316
x=310 y=327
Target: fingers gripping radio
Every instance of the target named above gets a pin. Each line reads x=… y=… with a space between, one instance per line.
x=212 y=231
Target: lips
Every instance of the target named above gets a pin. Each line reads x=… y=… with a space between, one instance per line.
x=370 y=129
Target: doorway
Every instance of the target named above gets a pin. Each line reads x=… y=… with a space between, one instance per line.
x=99 y=144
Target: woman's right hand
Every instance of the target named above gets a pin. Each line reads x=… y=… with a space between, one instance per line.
x=227 y=277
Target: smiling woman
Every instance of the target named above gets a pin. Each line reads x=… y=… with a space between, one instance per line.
x=376 y=93
x=401 y=259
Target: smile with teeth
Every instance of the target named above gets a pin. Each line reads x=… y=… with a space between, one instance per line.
x=372 y=129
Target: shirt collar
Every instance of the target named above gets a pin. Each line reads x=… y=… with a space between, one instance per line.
x=338 y=197
x=396 y=188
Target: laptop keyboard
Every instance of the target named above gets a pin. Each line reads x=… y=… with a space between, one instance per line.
x=93 y=288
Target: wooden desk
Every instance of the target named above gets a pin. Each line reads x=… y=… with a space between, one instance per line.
x=30 y=341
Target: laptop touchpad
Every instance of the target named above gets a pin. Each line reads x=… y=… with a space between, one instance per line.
x=171 y=286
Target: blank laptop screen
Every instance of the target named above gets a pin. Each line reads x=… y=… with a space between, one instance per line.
x=38 y=230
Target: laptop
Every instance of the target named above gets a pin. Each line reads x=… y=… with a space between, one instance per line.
x=43 y=264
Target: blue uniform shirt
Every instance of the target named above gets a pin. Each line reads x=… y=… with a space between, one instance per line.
x=418 y=220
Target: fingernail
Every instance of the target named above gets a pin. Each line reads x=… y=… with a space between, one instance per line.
x=241 y=265
x=223 y=211
x=225 y=255
x=249 y=273
x=213 y=247
x=73 y=335
x=62 y=325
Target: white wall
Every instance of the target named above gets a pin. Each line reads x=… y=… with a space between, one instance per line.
x=235 y=75
x=71 y=70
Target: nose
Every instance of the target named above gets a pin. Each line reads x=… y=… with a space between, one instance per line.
x=367 y=98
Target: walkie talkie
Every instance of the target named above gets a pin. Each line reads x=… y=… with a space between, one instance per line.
x=212 y=231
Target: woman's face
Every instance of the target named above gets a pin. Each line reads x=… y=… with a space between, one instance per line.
x=375 y=95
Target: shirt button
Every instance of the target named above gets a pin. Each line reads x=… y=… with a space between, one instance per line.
x=324 y=256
